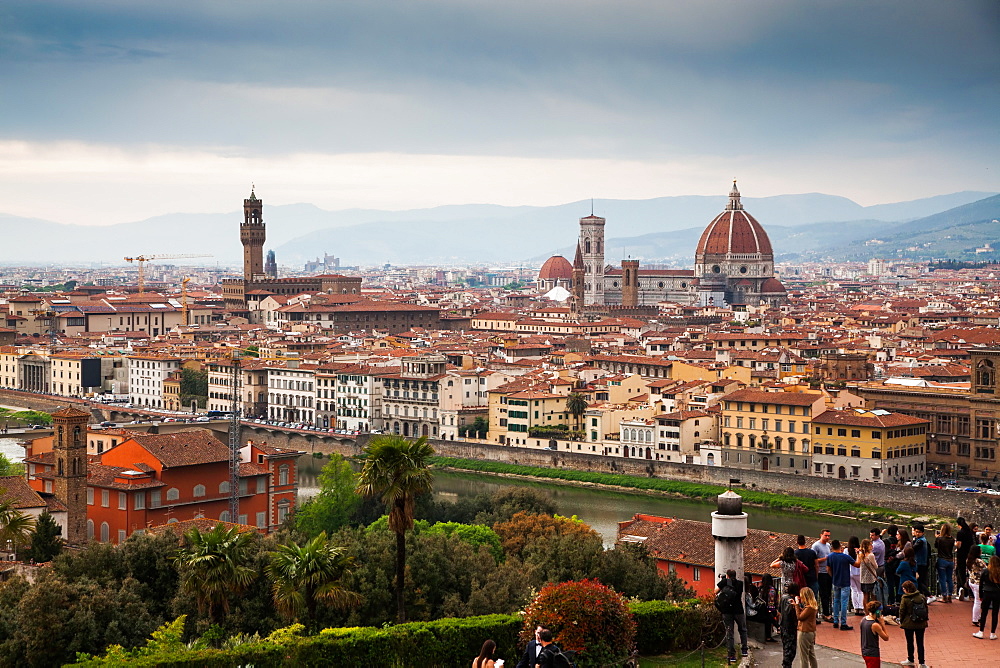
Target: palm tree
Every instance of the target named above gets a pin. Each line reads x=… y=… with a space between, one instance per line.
x=215 y=565
x=576 y=404
x=15 y=527
x=397 y=470
x=303 y=575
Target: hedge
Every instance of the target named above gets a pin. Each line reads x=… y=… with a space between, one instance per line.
x=661 y=627
x=687 y=489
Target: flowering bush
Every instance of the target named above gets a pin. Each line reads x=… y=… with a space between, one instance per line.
x=586 y=617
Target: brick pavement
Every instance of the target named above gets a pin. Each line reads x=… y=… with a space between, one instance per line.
x=948 y=640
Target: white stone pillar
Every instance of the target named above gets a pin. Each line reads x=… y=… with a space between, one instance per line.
x=729 y=529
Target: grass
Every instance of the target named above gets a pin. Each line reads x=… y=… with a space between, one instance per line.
x=686 y=659
x=686 y=489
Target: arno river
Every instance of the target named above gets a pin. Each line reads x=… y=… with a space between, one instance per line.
x=600 y=509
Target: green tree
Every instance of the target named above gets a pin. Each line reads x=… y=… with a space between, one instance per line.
x=194 y=386
x=397 y=469
x=32 y=417
x=304 y=575
x=576 y=404
x=15 y=526
x=214 y=566
x=477 y=429
x=45 y=540
x=336 y=502
x=9 y=468
x=252 y=351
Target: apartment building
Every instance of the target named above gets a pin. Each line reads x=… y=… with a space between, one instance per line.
x=146 y=375
x=292 y=392
x=875 y=446
x=410 y=397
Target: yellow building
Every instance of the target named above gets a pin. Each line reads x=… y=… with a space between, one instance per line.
x=768 y=431
x=529 y=409
x=877 y=446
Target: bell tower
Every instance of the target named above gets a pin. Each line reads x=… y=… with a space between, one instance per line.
x=69 y=448
x=253 y=235
x=630 y=283
x=592 y=244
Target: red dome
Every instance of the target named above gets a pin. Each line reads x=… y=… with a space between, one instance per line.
x=556 y=268
x=734 y=231
x=772 y=285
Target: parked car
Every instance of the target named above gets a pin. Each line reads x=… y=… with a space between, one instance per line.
x=972 y=489
x=954 y=488
x=931 y=485
x=993 y=492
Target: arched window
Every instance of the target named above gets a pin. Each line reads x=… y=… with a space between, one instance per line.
x=224 y=516
x=224 y=487
x=199 y=490
x=985 y=373
x=586 y=245
x=90 y=529
x=173 y=494
x=711 y=459
x=105 y=532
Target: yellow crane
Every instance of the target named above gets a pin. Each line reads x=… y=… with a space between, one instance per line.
x=184 y=298
x=141 y=260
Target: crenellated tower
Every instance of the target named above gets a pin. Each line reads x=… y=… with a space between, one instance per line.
x=253 y=235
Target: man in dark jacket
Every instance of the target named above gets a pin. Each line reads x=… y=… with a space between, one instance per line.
x=788 y=622
x=737 y=617
x=531 y=652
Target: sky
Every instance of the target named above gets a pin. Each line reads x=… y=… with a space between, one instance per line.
x=113 y=112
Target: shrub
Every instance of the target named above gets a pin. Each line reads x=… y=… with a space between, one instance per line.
x=585 y=617
x=665 y=627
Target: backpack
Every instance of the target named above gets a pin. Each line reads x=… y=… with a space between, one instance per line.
x=560 y=659
x=728 y=601
x=800 y=573
x=918 y=613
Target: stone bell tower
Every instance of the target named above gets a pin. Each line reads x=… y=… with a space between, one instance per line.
x=253 y=235
x=69 y=448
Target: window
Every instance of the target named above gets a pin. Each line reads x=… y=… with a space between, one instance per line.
x=90 y=496
x=105 y=532
x=154 y=499
x=841 y=432
x=90 y=529
x=261 y=485
x=224 y=487
x=173 y=494
x=696 y=574
x=282 y=511
x=855 y=433
x=876 y=434
x=105 y=500
x=199 y=490
x=283 y=475
x=139 y=501
x=261 y=520
x=121 y=536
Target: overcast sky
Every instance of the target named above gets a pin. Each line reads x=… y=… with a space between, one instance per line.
x=116 y=111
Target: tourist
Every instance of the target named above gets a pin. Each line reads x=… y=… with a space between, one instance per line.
x=913 y=620
x=788 y=565
x=878 y=550
x=872 y=628
x=892 y=557
x=965 y=539
x=857 y=596
x=989 y=593
x=922 y=554
x=531 y=652
x=733 y=614
x=868 y=565
x=984 y=545
x=808 y=613
x=768 y=596
x=485 y=658
x=822 y=549
x=808 y=559
x=944 y=544
x=988 y=532
x=839 y=565
x=788 y=622
x=975 y=565
x=547 y=655
x=907 y=569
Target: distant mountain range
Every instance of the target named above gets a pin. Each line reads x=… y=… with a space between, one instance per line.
x=664 y=229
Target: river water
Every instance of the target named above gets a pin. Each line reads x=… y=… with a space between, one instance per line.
x=603 y=510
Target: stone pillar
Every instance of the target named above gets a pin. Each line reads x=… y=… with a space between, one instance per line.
x=729 y=529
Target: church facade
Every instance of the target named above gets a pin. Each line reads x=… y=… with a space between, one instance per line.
x=733 y=265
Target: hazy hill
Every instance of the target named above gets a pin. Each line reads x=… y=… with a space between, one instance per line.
x=461 y=233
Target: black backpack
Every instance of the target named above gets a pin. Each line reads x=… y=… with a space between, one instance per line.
x=727 y=601
x=918 y=613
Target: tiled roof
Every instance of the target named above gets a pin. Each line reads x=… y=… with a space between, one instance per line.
x=854 y=418
x=783 y=398
x=203 y=524
x=184 y=448
x=16 y=490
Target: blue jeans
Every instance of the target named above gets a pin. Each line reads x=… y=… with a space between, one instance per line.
x=945 y=569
x=841 y=601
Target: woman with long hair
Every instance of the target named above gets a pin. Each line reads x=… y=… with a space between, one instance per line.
x=964 y=540
x=787 y=563
x=868 y=566
x=768 y=597
x=989 y=592
x=807 y=608
x=857 y=597
x=974 y=566
x=485 y=658
x=907 y=569
x=944 y=544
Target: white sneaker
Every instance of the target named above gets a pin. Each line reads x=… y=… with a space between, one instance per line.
x=978 y=634
x=993 y=636
x=907 y=663
x=932 y=599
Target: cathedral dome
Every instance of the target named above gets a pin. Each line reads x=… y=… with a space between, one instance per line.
x=734 y=232
x=556 y=268
x=772 y=285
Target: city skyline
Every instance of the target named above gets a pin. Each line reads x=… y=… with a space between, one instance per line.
x=124 y=112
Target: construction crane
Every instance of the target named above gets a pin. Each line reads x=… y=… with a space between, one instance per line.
x=141 y=260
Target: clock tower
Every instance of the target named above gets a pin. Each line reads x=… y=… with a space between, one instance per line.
x=253 y=235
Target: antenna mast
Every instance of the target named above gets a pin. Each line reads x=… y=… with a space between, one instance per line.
x=234 y=442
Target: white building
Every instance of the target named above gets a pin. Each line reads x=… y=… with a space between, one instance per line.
x=292 y=393
x=146 y=374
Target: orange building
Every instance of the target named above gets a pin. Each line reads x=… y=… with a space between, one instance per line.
x=152 y=479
